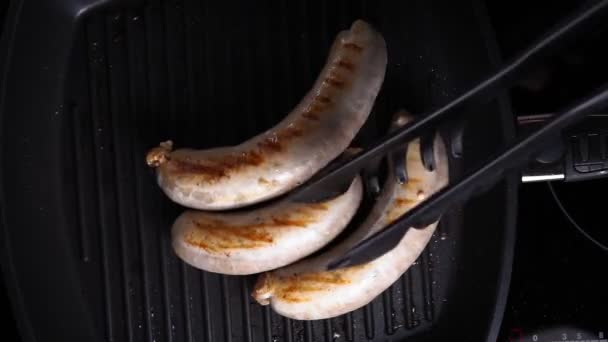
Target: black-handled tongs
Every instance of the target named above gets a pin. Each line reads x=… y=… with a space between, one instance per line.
x=332 y=180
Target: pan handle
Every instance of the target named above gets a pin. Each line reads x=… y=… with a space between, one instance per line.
x=579 y=153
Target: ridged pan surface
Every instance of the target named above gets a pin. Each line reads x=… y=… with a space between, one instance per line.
x=214 y=73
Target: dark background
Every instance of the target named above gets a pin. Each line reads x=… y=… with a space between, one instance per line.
x=557 y=283
x=557 y=273
x=9 y=326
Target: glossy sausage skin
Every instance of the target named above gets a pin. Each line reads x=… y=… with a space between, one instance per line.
x=262 y=239
x=306 y=291
x=318 y=129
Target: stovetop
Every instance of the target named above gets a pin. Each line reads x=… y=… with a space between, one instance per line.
x=558 y=287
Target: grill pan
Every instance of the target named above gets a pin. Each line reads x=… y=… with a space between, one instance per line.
x=89 y=86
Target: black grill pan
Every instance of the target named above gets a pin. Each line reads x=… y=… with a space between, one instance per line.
x=89 y=86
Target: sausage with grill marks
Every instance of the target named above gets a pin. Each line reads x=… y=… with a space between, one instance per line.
x=318 y=129
x=307 y=291
x=262 y=239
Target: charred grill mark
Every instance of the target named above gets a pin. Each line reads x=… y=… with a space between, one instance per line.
x=405 y=201
x=311 y=116
x=323 y=99
x=279 y=221
x=399 y=207
x=214 y=241
x=346 y=64
x=334 y=277
x=299 y=210
x=252 y=235
x=318 y=206
x=319 y=104
x=335 y=82
x=270 y=144
x=290 y=132
x=293 y=299
x=191 y=240
x=218 y=225
x=212 y=171
x=410 y=182
x=316 y=107
x=251 y=158
x=303 y=287
x=215 y=168
x=276 y=143
x=308 y=208
x=219 y=247
x=215 y=235
x=303 y=210
x=294 y=288
x=353 y=47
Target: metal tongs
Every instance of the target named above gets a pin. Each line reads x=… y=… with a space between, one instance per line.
x=335 y=177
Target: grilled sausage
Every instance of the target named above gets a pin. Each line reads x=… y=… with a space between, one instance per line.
x=319 y=128
x=306 y=290
x=263 y=239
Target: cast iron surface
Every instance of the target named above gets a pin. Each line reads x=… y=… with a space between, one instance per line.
x=86 y=249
